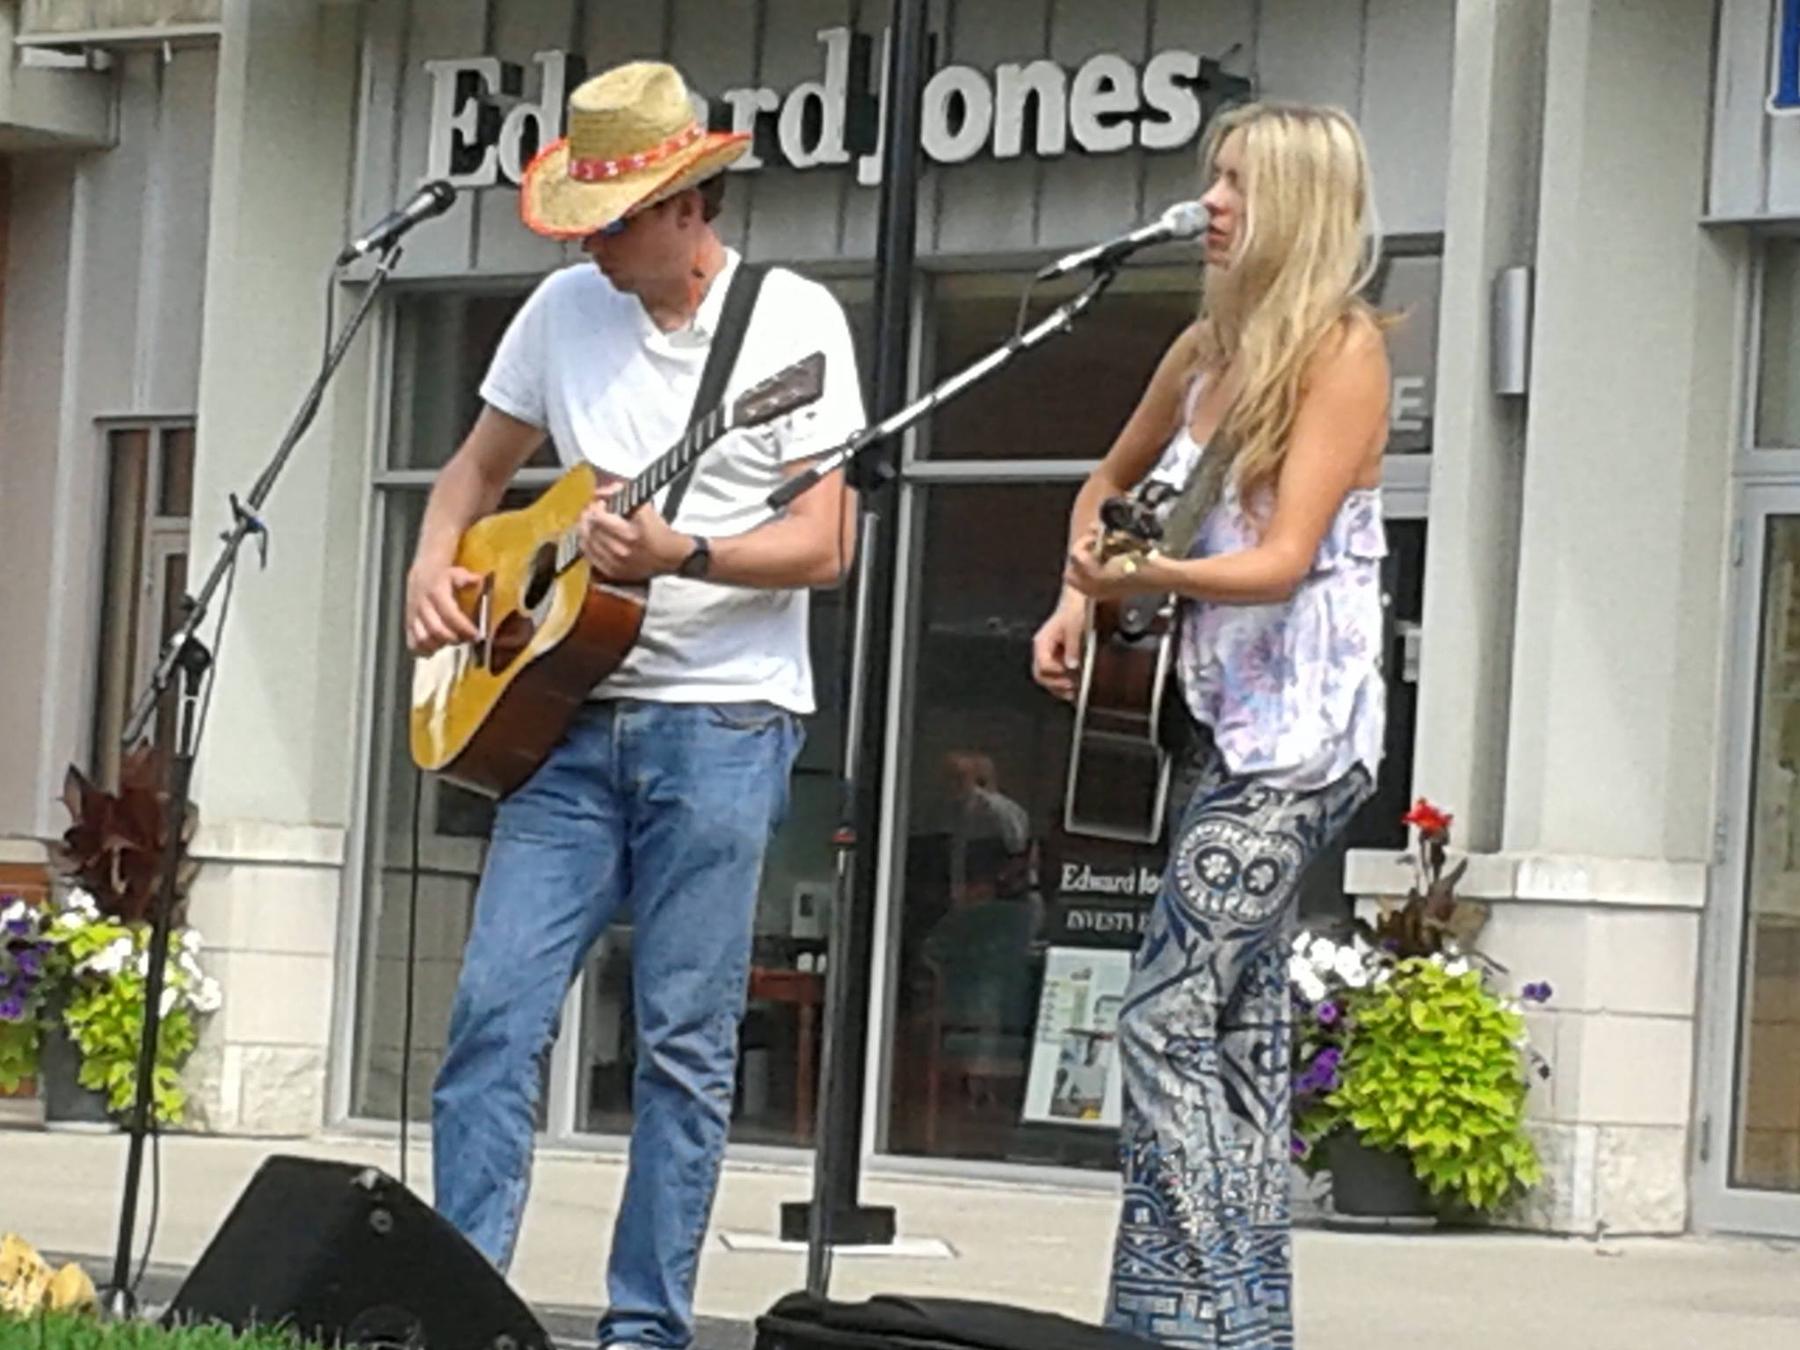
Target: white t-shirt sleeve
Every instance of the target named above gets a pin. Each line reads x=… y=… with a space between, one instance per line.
x=838 y=413
x=516 y=377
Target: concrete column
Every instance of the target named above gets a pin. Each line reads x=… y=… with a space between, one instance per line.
x=280 y=753
x=1609 y=744
x=1471 y=555
x=1619 y=628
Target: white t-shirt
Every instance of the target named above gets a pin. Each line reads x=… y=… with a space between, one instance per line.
x=585 y=362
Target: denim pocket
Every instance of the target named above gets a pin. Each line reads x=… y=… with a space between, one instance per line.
x=752 y=716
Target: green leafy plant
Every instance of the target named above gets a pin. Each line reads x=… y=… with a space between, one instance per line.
x=108 y=963
x=1433 y=1068
x=74 y=1331
x=1402 y=1039
x=26 y=971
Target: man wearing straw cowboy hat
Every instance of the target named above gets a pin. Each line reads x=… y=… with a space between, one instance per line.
x=659 y=802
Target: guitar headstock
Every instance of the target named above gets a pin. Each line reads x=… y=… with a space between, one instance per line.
x=1132 y=523
x=784 y=392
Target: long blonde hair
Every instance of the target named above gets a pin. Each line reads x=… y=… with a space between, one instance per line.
x=1307 y=249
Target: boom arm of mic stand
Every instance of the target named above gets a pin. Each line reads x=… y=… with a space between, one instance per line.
x=1059 y=320
x=248 y=519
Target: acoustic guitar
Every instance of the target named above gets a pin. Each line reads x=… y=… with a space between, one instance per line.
x=485 y=713
x=1118 y=783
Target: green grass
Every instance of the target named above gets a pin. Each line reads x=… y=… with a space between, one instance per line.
x=59 y=1332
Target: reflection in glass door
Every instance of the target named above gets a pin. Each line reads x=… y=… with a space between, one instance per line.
x=1766 y=1125
x=1750 y=1131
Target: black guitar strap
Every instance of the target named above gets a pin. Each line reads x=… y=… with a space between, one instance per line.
x=734 y=319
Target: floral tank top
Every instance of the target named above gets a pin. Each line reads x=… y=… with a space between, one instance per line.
x=1293 y=693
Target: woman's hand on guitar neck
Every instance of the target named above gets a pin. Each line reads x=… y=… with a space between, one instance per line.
x=1056 y=650
x=433 y=617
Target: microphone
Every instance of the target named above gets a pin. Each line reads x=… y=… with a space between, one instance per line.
x=433 y=199
x=1183 y=220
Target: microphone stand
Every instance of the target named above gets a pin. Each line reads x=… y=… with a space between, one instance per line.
x=835 y=1085
x=183 y=668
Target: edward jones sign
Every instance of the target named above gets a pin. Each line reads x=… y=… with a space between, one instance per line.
x=484 y=127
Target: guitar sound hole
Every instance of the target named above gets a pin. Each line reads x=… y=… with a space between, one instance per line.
x=511 y=637
x=541 y=577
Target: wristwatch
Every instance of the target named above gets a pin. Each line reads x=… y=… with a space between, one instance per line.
x=699 y=562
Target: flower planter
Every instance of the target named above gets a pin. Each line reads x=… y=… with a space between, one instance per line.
x=1370 y=1183
x=66 y=1102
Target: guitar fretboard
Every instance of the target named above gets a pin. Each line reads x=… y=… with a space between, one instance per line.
x=659 y=475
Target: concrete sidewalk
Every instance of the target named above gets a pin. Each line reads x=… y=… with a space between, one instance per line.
x=1033 y=1246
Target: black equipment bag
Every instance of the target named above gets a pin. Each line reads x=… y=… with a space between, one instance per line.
x=893 y=1322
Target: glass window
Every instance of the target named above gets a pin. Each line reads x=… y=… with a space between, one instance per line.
x=1766 y=1136
x=1068 y=398
x=149 y=496
x=444 y=342
x=992 y=893
x=1778 y=379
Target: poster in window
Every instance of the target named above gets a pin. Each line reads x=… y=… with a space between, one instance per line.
x=1074 y=1077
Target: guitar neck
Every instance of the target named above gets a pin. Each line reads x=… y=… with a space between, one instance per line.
x=659 y=475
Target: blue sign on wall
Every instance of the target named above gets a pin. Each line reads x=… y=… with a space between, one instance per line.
x=1786 y=97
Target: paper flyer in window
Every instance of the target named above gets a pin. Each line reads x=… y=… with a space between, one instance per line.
x=1075 y=1077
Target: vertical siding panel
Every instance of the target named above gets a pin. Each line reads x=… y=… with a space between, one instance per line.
x=1090 y=197
x=435 y=31
x=502 y=242
x=795 y=215
x=714 y=46
x=989 y=205
x=175 y=288
x=1210 y=29
x=1312 y=50
x=1405 y=111
x=375 y=185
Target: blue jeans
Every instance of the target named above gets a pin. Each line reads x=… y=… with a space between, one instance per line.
x=660 y=813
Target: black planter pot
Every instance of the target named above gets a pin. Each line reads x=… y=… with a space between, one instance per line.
x=1372 y=1183
x=66 y=1101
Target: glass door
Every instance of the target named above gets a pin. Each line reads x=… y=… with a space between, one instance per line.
x=1749 y=1130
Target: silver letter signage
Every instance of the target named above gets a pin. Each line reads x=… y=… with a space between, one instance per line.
x=483 y=131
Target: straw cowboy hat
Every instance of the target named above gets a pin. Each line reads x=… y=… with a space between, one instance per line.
x=633 y=141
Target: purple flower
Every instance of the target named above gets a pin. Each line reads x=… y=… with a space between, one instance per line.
x=1538 y=991
x=12 y=1008
x=1297 y=1147
x=1328 y=1014
x=31 y=962
x=19 y=927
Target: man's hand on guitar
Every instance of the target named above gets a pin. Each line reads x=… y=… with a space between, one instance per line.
x=630 y=548
x=433 y=617
x=1056 y=650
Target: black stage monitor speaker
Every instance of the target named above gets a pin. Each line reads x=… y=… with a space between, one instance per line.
x=347 y=1255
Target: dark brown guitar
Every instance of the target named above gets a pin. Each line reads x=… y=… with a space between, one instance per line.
x=1118 y=784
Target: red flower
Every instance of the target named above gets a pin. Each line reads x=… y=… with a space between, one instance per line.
x=1431 y=822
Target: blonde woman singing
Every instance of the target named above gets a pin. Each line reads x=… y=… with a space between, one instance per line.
x=1276 y=398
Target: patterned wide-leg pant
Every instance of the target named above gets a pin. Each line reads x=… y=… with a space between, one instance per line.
x=1203 y=1257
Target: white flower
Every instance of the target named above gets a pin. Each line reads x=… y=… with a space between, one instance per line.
x=1302 y=940
x=80 y=902
x=109 y=960
x=169 y=995
x=1311 y=987
x=1349 y=968
x=16 y=910
x=1455 y=969
x=191 y=941
x=206 y=996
